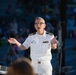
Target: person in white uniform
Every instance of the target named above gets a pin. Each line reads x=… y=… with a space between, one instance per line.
x=40 y=44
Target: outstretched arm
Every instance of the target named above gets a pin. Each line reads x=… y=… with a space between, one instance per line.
x=14 y=41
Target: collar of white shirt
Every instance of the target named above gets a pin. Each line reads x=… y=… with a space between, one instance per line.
x=43 y=35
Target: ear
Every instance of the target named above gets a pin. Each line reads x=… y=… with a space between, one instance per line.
x=45 y=26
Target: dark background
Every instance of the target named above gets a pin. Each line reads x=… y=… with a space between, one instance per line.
x=58 y=14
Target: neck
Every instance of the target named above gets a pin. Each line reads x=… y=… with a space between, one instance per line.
x=40 y=32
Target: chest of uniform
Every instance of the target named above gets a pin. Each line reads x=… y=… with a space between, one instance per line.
x=42 y=43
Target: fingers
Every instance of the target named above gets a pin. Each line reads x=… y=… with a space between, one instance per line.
x=55 y=37
x=10 y=40
x=54 y=41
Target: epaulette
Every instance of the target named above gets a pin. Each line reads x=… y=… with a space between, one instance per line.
x=49 y=33
x=32 y=34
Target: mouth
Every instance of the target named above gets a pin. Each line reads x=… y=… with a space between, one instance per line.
x=38 y=28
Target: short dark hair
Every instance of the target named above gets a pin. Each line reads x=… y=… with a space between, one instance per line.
x=39 y=18
x=21 y=66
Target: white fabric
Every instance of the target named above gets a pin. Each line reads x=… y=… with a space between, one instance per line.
x=40 y=51
x=44 y=68
x=3 y=72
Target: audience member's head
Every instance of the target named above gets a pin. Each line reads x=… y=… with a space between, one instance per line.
x=21 y=66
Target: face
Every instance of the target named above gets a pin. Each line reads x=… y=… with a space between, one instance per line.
x=40 y=24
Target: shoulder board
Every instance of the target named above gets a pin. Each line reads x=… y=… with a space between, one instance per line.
x=32 y=34
x=49 y=33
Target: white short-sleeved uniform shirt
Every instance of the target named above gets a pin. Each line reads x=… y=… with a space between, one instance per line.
x=40 y=46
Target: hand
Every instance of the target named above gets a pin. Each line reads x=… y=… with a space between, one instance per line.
x=54 y=41
x=12 y=40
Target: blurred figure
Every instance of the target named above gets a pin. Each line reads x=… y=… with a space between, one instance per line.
x=14 y=52
x=1 y=33
x=24 y=34
x=32 y=28
x=3 y=27
x=49 y=27
x=26 y=52
x=54 y=23
x=14 y=26
x=9 y=10
x=21 y=67
x=70 y=26
x=18 y=10
x=75 y=30
x=11 y=56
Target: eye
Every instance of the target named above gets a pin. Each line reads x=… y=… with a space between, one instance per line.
x=42 y=23
x=39 y=23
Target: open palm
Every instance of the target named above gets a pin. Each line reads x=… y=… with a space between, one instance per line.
x=12 y=40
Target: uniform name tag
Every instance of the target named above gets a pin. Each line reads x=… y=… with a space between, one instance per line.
x=45 y=41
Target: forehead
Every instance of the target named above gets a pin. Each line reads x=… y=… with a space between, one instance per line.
x=40 y=20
